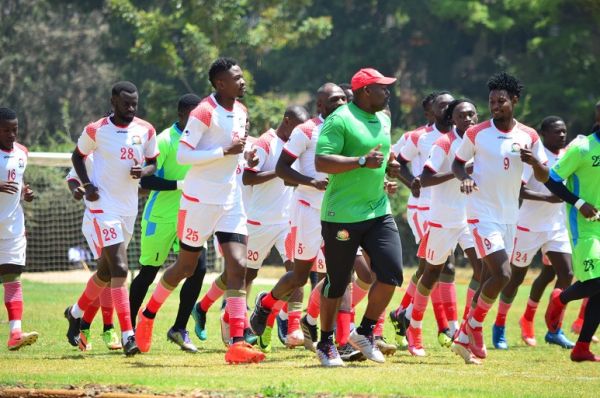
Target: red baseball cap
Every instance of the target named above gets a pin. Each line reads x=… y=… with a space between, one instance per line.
x=367 y=76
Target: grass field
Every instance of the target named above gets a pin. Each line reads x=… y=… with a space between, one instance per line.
x=545 y=371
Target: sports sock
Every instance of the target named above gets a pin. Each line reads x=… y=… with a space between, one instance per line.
x=161 y=293
x=448 y=295
x=90 y=313
x=190 y=290
x=378 y=330
x=366 y=326
x=268 y=301
x=479 y=313
x=120 y=298
x=530 y=310
x=138 y=288
x=13 y=301
x=419 y=306
x=107 y=307
x=92 y=290
x=236 y=307
x=314 y=302
x=504 y=305
x=462 y=338
x=274 y=312
x=473 y=286
x=326 y=336
x=342 y=328
x=294 y=315
x=438 y=308
x=581 y=314
x=214 y=293
x=591 y=319
x=408 y=295
x=283 y=313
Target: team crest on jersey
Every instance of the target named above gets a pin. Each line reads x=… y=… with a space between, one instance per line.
x=136 y=140
x=515 y=147
x=21 y=163
x=343 y=235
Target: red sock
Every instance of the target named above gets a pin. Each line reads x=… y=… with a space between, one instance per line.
x=13 y=300
x=226 y=315
x=213 y=294
x=419 y=307
x=408 y=295
x=530 y=309
x=479 y=313
x=91 y=311
x=582 y=309
x=438 y=308
x=378 y=330
x=342 y=329
x=120 y=298
x=314 y=303
x=91 y=292
x=294 y=321
x=107 y=306
x=160 y=295
x=503 y=308
x=236 y=307
x=470 y=294
x=448 y=293
x=268 y=301
x=276 y=308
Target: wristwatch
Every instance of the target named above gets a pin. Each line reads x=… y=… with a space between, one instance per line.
x=362 y=161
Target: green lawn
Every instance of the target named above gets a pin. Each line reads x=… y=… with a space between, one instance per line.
x=545 y=371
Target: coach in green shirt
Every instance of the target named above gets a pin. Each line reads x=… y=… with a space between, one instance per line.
x=354 y=149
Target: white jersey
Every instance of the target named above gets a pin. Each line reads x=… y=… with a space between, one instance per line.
x=89 y=166
x=270 y=201
x=116 y=150
x=211 y=127
x=302 y=145
x=12 y=168
x=415 y=165
x=239 y=171
x=538 y=216
x=448 y=208
x=497 y=169
x=416 y=151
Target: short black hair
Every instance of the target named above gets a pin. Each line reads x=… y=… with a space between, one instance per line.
x=428 y=100
x=222 y=64
x=549 y=120
x=124 y=85
x=296 y=111
x=453 y=105
x=504 y=81
x=7 y=114
x=345 y=86
x=187 y=101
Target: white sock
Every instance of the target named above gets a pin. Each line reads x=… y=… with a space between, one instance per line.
x=76 y=311
x=283 y=315
x=311 y=321
x=408 y=312
x=14 y=325
x=125 y=335
x=453 y=325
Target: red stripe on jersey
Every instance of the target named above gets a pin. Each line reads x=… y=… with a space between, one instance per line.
x=436 y=225
x=523 y=228
x=308 y=126
x=190 y=198
x=412 y=207
x=459 y=158
x=417 y=225
x=92 y=128
x=530 y=131
x=252 y=222
x=474 y=130
x=186 y=144
x=473 y=220
x=264 y=141
x=203 y=112
x=250 y=169
x=444 y=142
x=23 y=148
x=422 y=251
x=289 y=153
x=423 y=208
x=303 y=202
x=96 y=211
x=153 y=157
x=151 y=131
x=81 y=153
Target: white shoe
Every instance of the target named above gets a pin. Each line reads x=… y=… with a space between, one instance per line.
x=294 y=339
x=367 y=346
x=224 y=330
x=328 y=355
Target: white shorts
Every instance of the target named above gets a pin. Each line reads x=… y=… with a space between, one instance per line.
x=440 y=242
x=417 y=221
x=12 y=250
x=490 y=237
x=102 y=229
x=196 y=222
x=306 y=231
x=261 y=238
x=527 y=244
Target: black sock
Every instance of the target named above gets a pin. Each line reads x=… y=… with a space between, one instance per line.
x=139 y=288
x=366 y=326
x=83 y=325
x=326 y=337
x=188 y=295
x=108 y=326
x=149 y=314
x=237 y=339
x=591 y=319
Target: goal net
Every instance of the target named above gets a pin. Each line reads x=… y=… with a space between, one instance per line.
x=53 y=221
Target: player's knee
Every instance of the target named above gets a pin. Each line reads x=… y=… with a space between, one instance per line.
x=119 y=270
x=299 y=278
x=504 y=275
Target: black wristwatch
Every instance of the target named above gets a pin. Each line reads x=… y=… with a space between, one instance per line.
x=362 y=161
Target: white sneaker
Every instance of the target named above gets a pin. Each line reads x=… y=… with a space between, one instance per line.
x=367 y=346
x=224 y=330
x=294 y=339
x=328 y=355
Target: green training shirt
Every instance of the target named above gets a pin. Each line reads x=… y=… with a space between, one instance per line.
x=580 y=167
x=163 y=206
x=356 y=195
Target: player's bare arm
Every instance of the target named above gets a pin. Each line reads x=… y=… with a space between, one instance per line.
x=467 y=185
x=9 y=187
x=540 y=171
x=91 y=191
x=285 y=171
x=530 y=194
